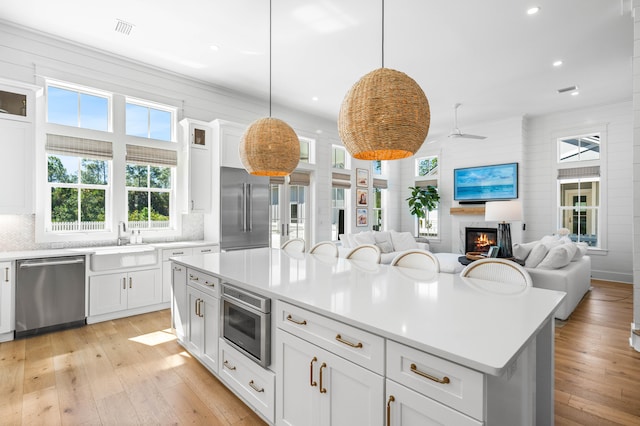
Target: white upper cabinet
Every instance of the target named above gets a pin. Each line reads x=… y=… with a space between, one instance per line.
x=228 y=139
x=197 y=137
x=17 y=139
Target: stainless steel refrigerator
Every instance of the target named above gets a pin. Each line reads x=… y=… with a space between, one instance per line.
x=244 y=210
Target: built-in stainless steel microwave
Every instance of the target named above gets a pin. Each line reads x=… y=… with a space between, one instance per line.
x=246 y=323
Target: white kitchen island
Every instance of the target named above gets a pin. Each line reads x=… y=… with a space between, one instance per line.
x=395 y=345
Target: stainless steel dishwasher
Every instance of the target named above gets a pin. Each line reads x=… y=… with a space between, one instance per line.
x=50 y=294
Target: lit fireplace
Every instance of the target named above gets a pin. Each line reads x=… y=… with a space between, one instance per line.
x=480 y=239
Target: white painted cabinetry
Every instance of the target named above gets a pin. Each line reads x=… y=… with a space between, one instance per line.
x=179 y=314
x=6 y=301
x=125 y=290
x=203 y=317
x=16 y=166
x=315 y=385
x=197 y=137
x=227 y=137
x=185 y=250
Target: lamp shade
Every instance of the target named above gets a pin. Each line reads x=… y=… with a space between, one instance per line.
x=270 y=147
x=502 y=211
x=384 y=116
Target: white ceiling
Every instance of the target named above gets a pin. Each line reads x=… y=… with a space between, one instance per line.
x=489 y=55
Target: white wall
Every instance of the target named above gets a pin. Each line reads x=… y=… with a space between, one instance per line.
x=614 y=261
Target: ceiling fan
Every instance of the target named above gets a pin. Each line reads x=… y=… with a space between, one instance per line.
x=456 y=133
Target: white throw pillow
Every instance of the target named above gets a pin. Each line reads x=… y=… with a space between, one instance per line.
x=521 y=251
x=364 y=238
x=536 y=255
x=550 y=238
x=558 y=256
x=581 y=250
x=403 y=241
x=383 y=237
x=385 y=247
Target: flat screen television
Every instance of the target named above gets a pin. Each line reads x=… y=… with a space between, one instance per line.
x=485 y=183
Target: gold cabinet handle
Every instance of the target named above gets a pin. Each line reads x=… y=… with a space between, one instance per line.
x=311 y=381
x=124 y=283
x=6 y=275
x=227 y=365
x=346 y=342
x=255 y=388
x=290 y=318
x=391 y=399
x=443 y=381
x=193 y=277
x=200 y=307
x=177 y=268
x=130 y=282
x=322 y=389
x=196 y=305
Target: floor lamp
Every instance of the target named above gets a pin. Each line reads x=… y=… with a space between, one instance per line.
x=503 y=212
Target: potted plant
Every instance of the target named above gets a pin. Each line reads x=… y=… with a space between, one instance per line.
x=422 y=201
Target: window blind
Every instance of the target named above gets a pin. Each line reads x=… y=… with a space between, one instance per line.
x=145 y=155
x=579 y=172
x=380 y=183
x=340 y=180
x=300 y=178
x=79 y=147
x=425 y=183
x=276 y=180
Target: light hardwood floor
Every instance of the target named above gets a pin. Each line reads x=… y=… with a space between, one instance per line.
x=132 y=371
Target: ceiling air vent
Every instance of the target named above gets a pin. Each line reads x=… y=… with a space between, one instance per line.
x=123 y=27
x=568 y=89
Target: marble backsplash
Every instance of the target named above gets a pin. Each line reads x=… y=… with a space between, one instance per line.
x=17 y=233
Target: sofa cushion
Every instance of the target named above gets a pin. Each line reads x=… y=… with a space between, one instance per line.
x=344 y=240
x=403 y=241
x=364 y=238
x=385 y=246
x=521 y=251
x=558 y=256
x=581 y=250
x=537 y=253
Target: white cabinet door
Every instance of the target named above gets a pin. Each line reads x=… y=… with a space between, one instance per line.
x=143 y=288
x=319 y=387
x=107 y=293
x=179 y=308
x=229 y=136
x=406 y=407
x=16 y=167
x=202 y=327
x=197 y=139
x=6 y=281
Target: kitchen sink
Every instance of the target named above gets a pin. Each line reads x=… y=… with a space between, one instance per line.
x=117 y=257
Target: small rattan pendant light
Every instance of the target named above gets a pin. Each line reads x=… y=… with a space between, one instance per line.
x=385 y=115
x=269 y=146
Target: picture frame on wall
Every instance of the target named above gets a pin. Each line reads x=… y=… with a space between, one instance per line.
x=199 y=137
x=362 y=178
x=361 y=217
x=362 y=197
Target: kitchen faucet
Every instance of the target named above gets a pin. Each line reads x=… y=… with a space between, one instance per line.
x=122 y=233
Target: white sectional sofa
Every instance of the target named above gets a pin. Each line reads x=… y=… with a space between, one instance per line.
x=390 y=243
x=557 y=263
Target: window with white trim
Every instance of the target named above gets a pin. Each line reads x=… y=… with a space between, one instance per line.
x=307 y=147
x=79 y=184
x=340 y=185
x=149 y=120
x=378 y=201
x=79 y=107
x=579 y=187
x=339 y=157
x=426 y=174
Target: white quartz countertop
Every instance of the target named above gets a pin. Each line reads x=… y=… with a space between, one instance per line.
x=33 y=254
x=480 y=324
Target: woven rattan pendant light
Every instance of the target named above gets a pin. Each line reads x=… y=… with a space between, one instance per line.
x=269 y=146
x=385 y=115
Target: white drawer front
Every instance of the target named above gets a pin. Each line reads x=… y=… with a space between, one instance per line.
x=463 y=390
x=167 y=253
x=209 y=283
x=206 y=249
x=356 y=345
x=252 y=382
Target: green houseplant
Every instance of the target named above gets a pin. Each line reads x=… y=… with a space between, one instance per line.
x=422 y=201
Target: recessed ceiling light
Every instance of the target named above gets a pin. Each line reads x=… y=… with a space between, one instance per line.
x=315 y=99
x=319 y=131
x=533 y=10
x=557 y=63
x=576 y=93
x=214 y=47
